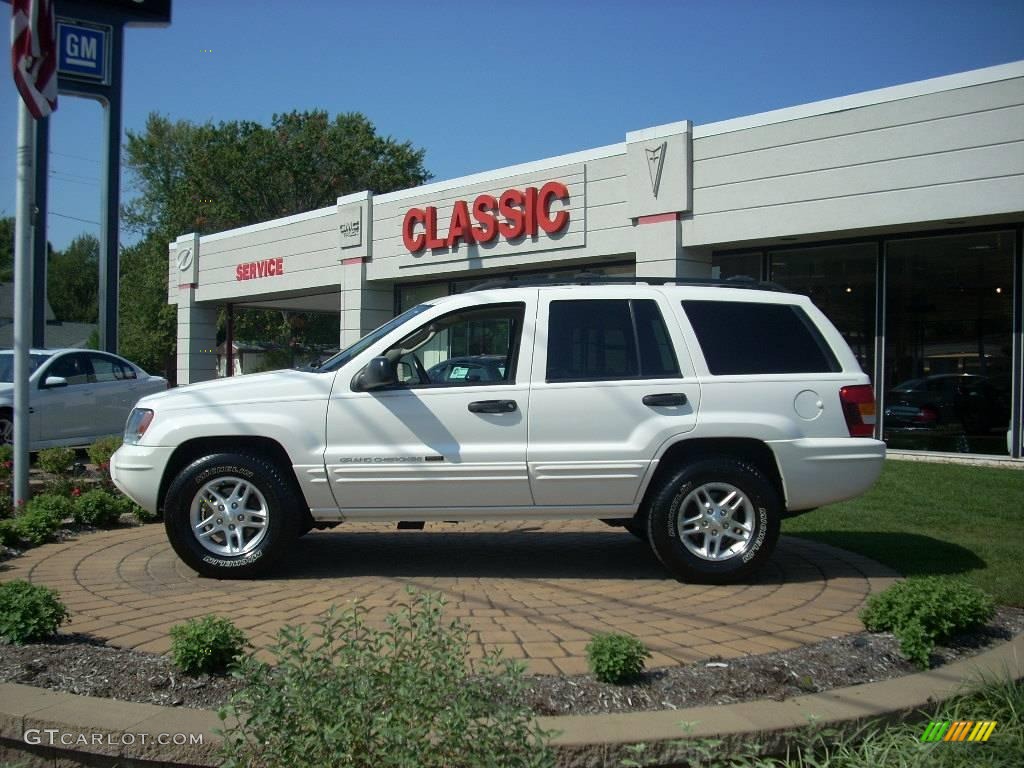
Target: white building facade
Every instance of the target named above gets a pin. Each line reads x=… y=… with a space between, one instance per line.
x=899 y=211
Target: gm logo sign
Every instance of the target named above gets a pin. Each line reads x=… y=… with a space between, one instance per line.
x=82 y=51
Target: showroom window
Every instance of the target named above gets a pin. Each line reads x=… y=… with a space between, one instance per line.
x=949 y=341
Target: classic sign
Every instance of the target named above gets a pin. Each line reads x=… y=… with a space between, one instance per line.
x=514 y=214
x=265 y=268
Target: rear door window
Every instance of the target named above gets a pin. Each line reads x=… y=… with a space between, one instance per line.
x=608 y=340
x=742 y=337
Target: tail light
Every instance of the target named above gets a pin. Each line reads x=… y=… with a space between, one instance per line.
x=927 y=415
x=859 y=409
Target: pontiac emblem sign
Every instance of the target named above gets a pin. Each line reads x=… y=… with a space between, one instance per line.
x=655 y=162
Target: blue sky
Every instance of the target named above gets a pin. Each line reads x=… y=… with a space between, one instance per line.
x=481 y=85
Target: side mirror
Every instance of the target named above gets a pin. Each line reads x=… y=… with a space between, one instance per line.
x=55 y=381
x=379 y=372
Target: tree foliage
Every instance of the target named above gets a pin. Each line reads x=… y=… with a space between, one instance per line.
x=210 y=177
x=72 y=280
x=6 y=249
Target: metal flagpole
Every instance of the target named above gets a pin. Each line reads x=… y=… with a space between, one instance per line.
x=22 y=299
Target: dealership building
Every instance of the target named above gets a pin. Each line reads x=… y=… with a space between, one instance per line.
x=899 y=211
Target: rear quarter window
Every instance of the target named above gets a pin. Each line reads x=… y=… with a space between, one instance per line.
x=740 y=337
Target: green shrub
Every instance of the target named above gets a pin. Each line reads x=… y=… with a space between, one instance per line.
x=56 y=461
x=209 y=644
x=398 y=696
x=921 y=611
x=9 y=533
x=33 y=528
x=29 y=613
x=36 y=523
x=97 y=507
x=53 y=506
x=129 y=507
x=616 y=658
x=101 y=451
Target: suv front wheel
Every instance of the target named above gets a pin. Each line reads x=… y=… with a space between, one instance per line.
x=231 y=515
x=714 y=521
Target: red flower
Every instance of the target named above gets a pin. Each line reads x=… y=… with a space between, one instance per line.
x=76 y=491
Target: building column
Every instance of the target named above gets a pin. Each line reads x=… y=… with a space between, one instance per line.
x=197 y=323
x=661 y=253
x=659 y=176
x=197 y=339
x=363 y=306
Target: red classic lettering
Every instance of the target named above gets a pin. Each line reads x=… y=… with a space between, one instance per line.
x=414 y=242
x=514 y=214
x=483 y=211
x=264 y=268
x=514 y=222
x=551 y=191
x=459 y=228
x=531 y=211
x=433 y=242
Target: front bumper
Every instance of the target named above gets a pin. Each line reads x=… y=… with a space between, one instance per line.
x=819 y=471
x=137 y=470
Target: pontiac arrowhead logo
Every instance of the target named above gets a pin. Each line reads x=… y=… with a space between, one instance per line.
x=655 y=162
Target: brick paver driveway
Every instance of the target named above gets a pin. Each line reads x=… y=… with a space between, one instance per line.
x=536 y=590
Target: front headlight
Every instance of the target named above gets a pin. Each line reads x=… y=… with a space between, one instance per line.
x=138 y=423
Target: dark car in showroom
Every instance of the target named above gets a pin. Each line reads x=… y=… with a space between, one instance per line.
x=954 y=402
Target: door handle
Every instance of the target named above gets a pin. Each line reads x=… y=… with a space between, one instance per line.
x=493 y=406
x=665 y=398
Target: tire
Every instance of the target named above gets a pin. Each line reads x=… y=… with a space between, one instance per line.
x=685 y=496
x=268 y=504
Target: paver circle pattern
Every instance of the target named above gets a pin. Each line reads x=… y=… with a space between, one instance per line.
x=537 y=591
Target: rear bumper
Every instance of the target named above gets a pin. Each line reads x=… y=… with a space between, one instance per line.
x=819 y=471
x=137 y=470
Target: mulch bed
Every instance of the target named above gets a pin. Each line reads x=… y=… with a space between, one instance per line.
x=76 y=663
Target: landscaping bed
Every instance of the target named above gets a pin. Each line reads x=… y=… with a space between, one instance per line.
x=75 y=663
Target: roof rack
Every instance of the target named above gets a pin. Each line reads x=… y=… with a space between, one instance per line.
x=591 y=278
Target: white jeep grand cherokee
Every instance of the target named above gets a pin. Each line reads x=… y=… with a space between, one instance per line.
x=697 y=415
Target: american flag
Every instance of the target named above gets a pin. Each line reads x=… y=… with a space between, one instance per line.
x=34 y=54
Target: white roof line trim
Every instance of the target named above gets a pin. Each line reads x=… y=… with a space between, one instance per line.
x=259 y=226
x=610 y=150
x=865 y=99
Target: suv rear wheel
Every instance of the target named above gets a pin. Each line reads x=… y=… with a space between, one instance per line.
x=231 y=515
x=714 y=521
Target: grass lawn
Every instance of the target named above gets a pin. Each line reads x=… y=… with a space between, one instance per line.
x=934 y=519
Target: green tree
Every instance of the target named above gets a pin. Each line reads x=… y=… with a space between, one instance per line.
x=72 y=280
x=6 y=249
x=208 y=178
x=148 y=323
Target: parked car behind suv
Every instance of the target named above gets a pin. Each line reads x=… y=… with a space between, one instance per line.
x=75 y=395
x=695 y=415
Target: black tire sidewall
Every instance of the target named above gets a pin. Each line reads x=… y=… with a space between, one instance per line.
x=663 y=531
x=281 y=526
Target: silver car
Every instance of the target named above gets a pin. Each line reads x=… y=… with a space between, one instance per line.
x=75 y=395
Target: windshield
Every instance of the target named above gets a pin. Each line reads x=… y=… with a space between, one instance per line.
x=7 y=366
x=334 y=363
